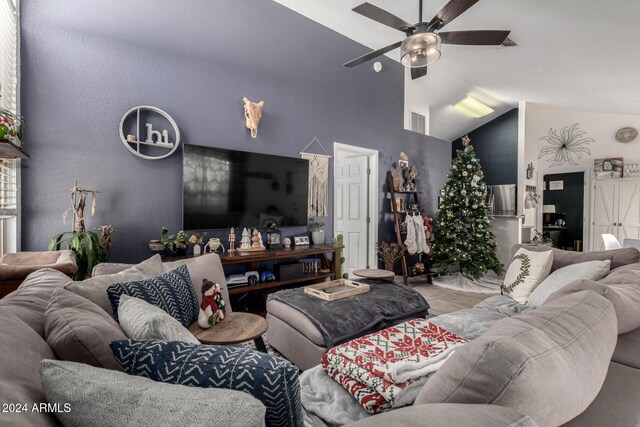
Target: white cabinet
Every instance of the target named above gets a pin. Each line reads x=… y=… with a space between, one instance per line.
x=616 y=210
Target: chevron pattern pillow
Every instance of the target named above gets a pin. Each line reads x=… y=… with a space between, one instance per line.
x=172 y=292
x=272 y=380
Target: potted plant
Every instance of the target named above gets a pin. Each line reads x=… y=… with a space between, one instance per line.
x=317 y=233
x=177 y=243
x=90 y=248
x=11 y=126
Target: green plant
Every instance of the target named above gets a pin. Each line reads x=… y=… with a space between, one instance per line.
x=174 y=243
x=11 y=125
x=315 y=225
x=539 y=237
x=86 y=244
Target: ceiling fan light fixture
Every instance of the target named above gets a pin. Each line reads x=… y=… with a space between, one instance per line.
x=473 y=107
x=420 y=50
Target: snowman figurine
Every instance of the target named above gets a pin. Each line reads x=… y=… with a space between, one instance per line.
x=210 y=311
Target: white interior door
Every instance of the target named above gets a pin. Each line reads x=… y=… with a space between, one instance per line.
x=605 y=212
x=629 y=211
x=351 y=191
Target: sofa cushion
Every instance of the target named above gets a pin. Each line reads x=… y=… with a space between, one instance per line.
x=18 y=265
x=591 y=270
x=172 y=292
x=22 y=349
x=106 y=398
x=561 y=258
x=30 y=300
x=207 y=266
x=95 y=288
x=272 y=380
x=526 y=271
x=625 y=274
x=624 y=296
x=141 y=321
x=448 y=415
x=628 y=349
x=78 y=330
x=548 y=363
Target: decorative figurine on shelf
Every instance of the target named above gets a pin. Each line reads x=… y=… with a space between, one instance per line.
x=214 y=244
x=403 y=163
x=256 y=239
x=232 y=240
x=260 y=240
x=274 y=237
x=286 y=242
x=410 y=174
x=245 y=242
x=212 y=307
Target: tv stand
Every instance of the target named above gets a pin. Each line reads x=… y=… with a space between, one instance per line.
x=268 y=255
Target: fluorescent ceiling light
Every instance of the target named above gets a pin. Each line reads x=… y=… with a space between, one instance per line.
x=473 y=107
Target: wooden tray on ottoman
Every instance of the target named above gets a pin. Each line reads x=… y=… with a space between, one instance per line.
x=336 y=289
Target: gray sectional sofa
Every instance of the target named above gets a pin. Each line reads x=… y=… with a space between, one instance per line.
x=564 y=363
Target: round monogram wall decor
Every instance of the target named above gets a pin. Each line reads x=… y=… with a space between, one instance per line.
x=627 y=134
x=149 y=141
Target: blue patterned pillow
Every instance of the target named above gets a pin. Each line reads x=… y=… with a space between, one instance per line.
x=272 y=380
x=172 y=292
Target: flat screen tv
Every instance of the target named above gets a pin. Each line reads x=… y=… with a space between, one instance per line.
x=223 y=188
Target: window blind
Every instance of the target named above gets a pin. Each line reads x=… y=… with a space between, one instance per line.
x=8 y=189
x=8 y=56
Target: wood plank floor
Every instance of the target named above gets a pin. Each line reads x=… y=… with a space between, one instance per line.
x=444 y=300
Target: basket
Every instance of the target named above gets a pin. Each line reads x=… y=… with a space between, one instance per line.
x=631 y=170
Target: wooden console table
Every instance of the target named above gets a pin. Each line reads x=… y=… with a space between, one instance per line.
x=254 y=258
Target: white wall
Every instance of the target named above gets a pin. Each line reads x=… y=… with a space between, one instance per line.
x=599 y=126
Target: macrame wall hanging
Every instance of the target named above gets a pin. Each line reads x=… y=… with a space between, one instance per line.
x=318 y=180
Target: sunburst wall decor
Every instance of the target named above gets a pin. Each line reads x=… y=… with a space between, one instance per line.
x=566 y=145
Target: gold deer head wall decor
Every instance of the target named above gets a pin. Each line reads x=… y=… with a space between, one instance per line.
x=253 y=113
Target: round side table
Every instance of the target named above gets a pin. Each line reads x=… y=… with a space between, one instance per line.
x=234 y=329
x=375 y=274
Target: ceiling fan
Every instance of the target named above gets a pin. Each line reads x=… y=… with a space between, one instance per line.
x=421 y=47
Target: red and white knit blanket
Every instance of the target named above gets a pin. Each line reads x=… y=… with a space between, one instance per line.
x=387 y=369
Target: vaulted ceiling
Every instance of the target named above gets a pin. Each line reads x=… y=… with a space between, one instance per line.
x=574 y=54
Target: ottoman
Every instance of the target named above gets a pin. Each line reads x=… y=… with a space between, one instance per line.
x=297 y=337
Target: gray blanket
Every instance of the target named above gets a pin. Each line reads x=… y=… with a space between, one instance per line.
x=386 y=304
x=327 y=403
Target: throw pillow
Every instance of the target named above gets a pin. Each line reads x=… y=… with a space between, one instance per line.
x=95 y=288
x=207 y=266
x=592 y=270
x=526 y=271
x=171 y=291
x=141 y=320
x=90 y=396
x=78 y=330
x=272 y=380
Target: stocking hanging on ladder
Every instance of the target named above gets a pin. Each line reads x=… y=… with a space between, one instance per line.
x=318 y=181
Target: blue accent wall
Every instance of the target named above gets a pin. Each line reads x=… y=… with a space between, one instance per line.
x=496 y=145
x=85 y=63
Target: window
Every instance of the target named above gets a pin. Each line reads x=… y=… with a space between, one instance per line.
x=418 y=123
x=9 y=90
x=8 y=56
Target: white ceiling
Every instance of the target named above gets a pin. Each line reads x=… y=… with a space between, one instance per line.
x=574 y=54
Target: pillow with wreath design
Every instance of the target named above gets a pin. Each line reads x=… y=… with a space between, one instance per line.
x=527 y=270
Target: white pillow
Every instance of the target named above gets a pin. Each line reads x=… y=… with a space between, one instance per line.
x=526 y=271
x=591 y=270
x=143 y=321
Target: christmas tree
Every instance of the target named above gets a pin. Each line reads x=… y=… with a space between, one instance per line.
x=463 y=234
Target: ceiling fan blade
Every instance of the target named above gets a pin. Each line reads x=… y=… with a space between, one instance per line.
x=451 y=11
x=380 y=15
x=416 y=73
x=364 y=58
x=475 y=38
